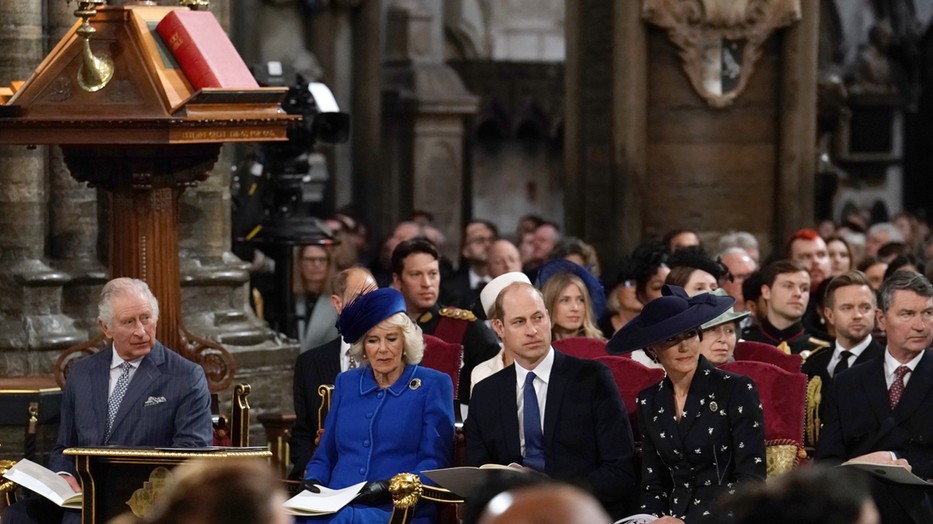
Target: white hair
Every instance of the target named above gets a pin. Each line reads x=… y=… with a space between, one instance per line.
x=119 y=287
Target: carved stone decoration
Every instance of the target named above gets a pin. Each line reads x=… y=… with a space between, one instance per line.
x=719 y=41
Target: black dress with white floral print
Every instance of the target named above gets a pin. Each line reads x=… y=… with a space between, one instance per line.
x=718 y=443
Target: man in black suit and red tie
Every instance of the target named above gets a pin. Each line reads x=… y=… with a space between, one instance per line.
x=551 y=412
x=849 y=307
x=320 y=365
x=882 y=411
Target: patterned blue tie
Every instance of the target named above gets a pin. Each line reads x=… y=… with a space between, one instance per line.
x=113 y=403
x=534 y=438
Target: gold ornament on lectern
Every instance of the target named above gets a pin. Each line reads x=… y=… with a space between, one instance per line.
x=96 y=71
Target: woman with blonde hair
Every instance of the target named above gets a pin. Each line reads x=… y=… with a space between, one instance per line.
x=569 y=292
x=314 y=317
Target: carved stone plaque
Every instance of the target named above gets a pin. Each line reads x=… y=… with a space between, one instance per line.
x=719 y=41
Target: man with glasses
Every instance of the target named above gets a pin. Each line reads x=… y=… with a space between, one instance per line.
x=463 y=288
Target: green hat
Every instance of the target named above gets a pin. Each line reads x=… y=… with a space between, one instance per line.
x=728 y=316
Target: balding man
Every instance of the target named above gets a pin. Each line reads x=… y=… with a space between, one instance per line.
x=740 y=265
x=503 y=258
x=545 y=504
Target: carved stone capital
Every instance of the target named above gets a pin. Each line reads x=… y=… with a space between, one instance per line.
x=720 y=41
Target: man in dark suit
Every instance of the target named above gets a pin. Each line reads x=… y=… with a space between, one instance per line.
x=573 y=427
x=134 y=393
x=319 y=366
x=416 y=273
x=463 y=287
x=849 y=307
x=882 y=411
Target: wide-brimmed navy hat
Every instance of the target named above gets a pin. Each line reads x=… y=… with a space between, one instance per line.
x=667 y=316
x=367 y=310
x=593 y=286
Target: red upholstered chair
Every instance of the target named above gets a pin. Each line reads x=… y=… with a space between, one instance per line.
x=631 y=376
x=582 y=347
x=761 y=352
x=444 y=357
x=784 y=401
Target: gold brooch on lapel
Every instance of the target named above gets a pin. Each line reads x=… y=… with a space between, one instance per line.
x=414 y=384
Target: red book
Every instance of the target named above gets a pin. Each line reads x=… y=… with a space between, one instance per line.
x=203 y=50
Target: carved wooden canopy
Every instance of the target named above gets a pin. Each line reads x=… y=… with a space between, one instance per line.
x=719 y=41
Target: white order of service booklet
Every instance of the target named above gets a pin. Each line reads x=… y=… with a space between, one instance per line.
x=45 y=482
x=324 y=503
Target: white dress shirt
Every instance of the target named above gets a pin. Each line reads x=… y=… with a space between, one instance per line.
x=891 y=364
x=115 y=362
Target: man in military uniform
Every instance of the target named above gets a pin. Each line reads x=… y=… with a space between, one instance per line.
x=416 y=273
x=786 y=289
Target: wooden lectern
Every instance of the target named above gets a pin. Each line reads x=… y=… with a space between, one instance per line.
x=117 y=480
x=129 y=122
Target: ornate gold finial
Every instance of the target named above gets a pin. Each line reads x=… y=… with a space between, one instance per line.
x=406 y=490
x=196 y=5
x=96 y=72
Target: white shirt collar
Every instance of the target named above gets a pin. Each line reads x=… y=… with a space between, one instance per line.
x=476 y=279
x=344 y=357
x=855 y=350
x=542 y=370
x=116 y=360
x=891 y=364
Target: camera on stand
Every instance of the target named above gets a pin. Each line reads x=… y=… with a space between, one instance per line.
x=279 y=188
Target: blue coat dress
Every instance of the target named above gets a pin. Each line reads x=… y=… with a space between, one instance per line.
x=372 y=434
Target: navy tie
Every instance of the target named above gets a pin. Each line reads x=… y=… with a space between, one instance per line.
x=534 y=438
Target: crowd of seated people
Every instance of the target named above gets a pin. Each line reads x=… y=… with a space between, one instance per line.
x=670 y=304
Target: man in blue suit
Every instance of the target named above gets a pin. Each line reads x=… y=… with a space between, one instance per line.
x=137 y=392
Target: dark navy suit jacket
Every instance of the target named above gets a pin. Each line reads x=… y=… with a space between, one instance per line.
x=858 y=419
x=587 y=436
x=167 y=404
x=314 y=367
x=815 y=365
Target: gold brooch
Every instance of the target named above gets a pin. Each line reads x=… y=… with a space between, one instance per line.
x=414 y=384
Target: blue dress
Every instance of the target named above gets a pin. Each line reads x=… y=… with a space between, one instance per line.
x=372 y=434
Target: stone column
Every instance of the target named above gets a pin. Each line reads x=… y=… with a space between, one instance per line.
x=31 y=318
x=718 y=157
x=425 y=105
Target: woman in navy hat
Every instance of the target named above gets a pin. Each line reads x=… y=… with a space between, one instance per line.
x=702 y=428
x=387 y=416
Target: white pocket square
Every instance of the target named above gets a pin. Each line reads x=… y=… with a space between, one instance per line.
x=152 y=401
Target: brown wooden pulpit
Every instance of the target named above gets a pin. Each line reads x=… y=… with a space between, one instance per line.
x=139 y=131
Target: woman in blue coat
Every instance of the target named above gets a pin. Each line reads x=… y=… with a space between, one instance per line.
x=387 y=416
x=702 y=428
